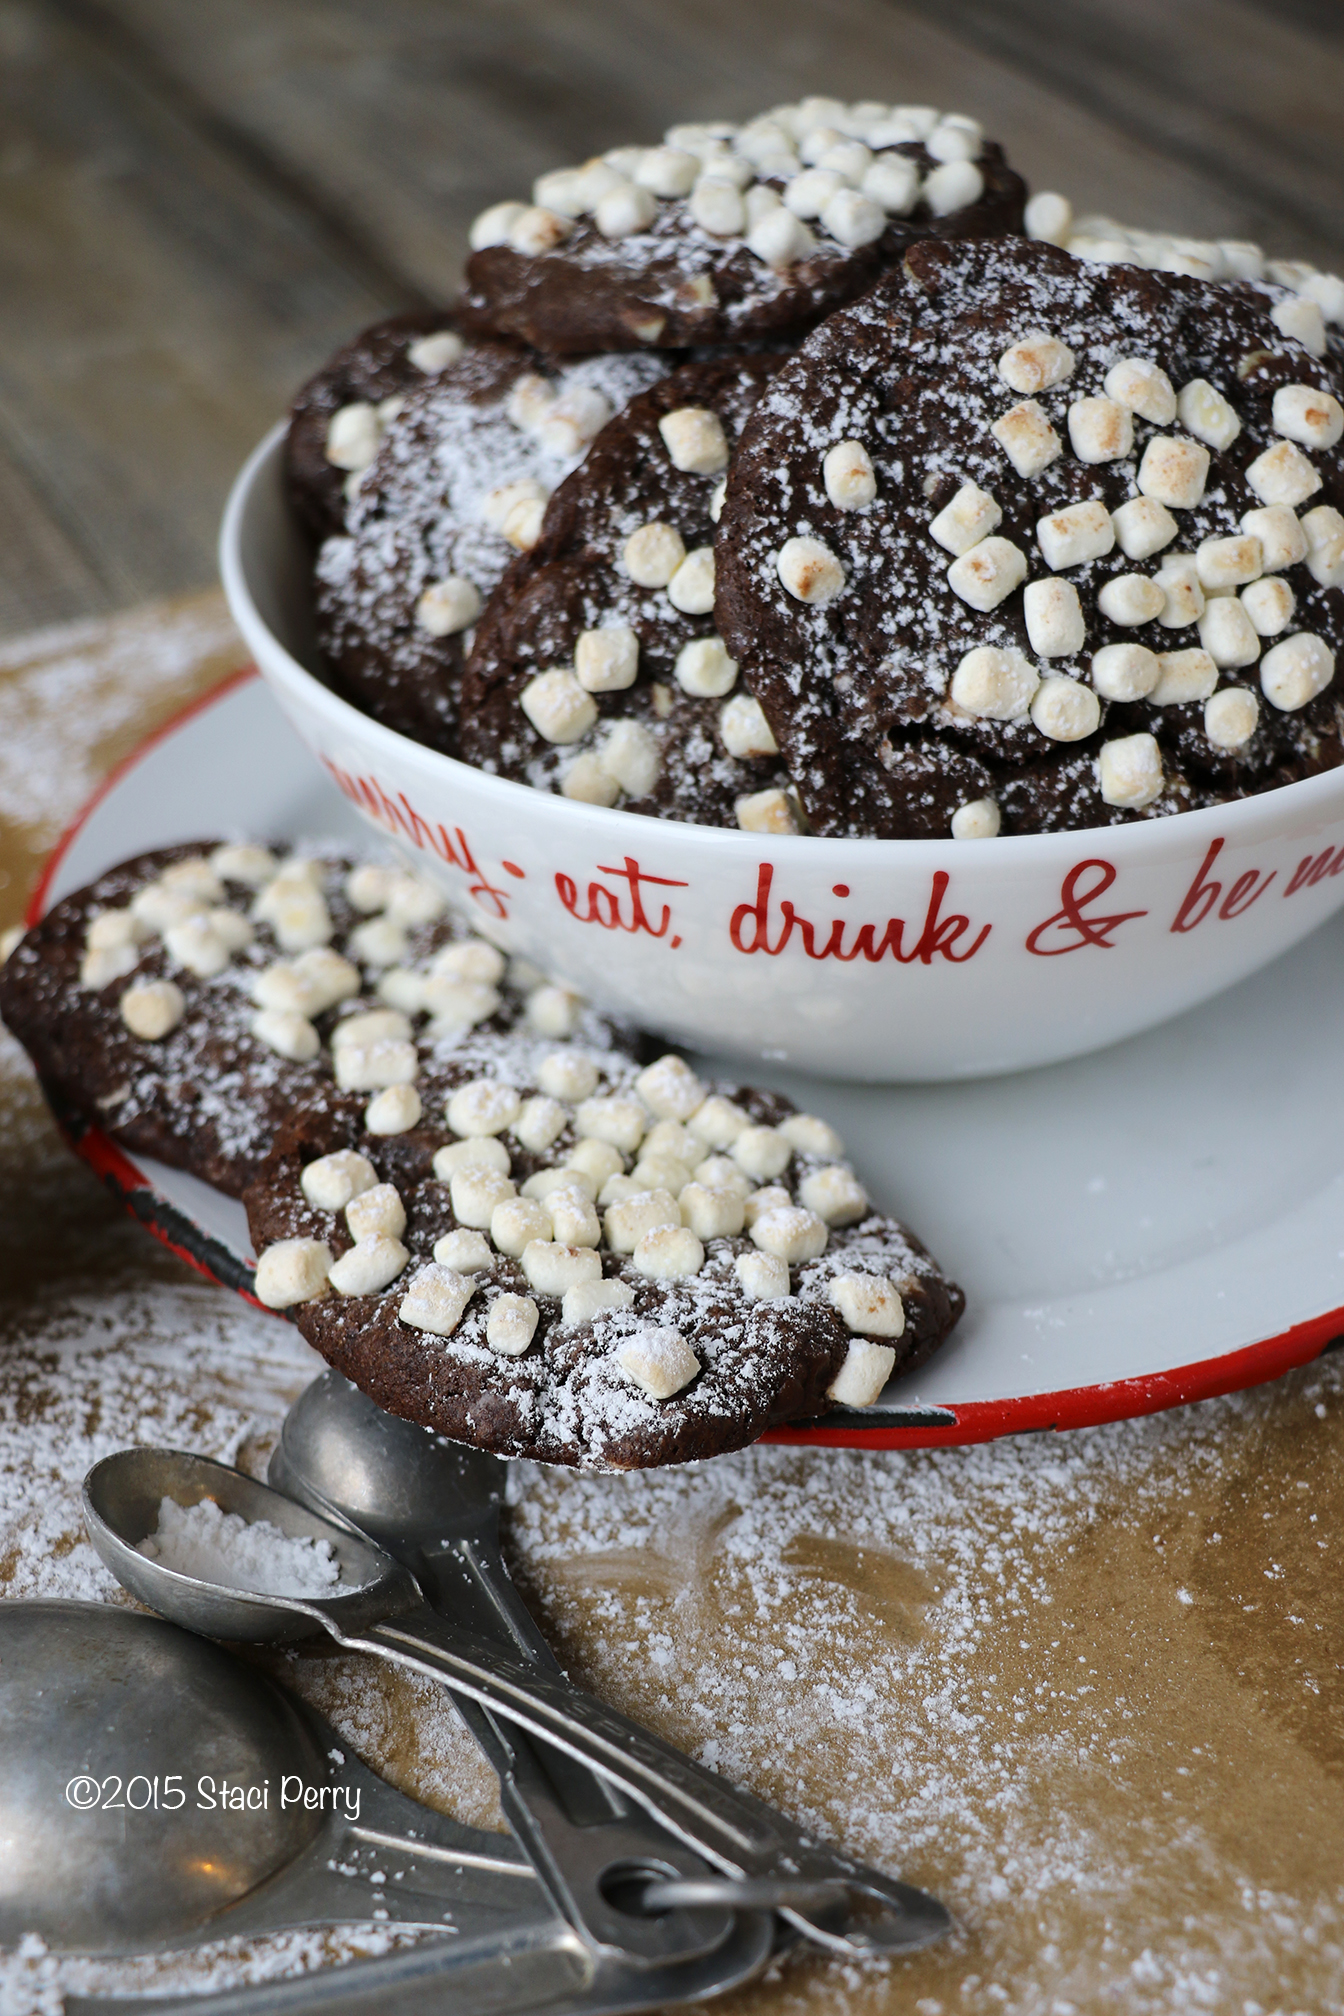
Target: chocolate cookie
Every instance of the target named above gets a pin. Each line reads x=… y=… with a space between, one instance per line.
x=457 y=490
x=596 y=670
x=186 y=1000
x=1019 y=542
x=342 y=413
x=578 y=1261
x=730 y=234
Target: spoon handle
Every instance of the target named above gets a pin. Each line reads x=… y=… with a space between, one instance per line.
x=731 y=1828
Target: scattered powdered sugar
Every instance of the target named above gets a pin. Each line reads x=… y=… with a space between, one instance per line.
x=216 y=1546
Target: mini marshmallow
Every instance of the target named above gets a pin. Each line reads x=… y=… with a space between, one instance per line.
x=457 y=1005
x=541 y=1121
x=1316 y=419
x=1228 y=634
x=712 y=1213
x=1130 y=599
x=114 y=930
x=970 y=517
x=482 y=1151
x=597 y=1160
x=835 y=1194
x=1144 y=388
x=289 y=1034
x=1143 y=527
x=522 y=525
x=565 y=1074
x=1322 y=532
x=652 y=555
x=1294 y=672
x=536 y=230
x=762 y=1152
x=744 y=730
x=1100 y=430
x=1282 y=540
x=808 y=1134
x=493 y=226
x=892 y=181
x=618 y=1190
x=988 y=573
x=614 y=1118
x=371 y=1067
x=434 y=353
x=667 y=171
x=516 y=1221
x=625 y=210
x=716 y=205
x=853 y=219
x=695 y=440
x=1229 y=563
x=477 y=1193
x=290 y=1271
x=482 y=1106
x=333 y=1181
x=670 y=1088
x=1205 y=413
x=153 y=1009
x=1076 y=533
x=379 y=942
x=847 y=472
x=1049 y=216
x=1283 y=475
x=977 y=819
x=627 y=1222
x=552 y=1268
x=770 y=811
x=511 y=1324
x=586 y=782
x=705 y=669
x=1269 y=604
x=657 y=1359
x=573 y=1219
x=869 y=1304
x=1130 y=772
x=994 y=684
x=471 y=960
x=1327 y=291
x=1036 y=362
x=296 y=912
x=102 y=964
x=377 y=1209
x=809 y=570
x=779 y=239
x=1231 y=717
x=718 y=1122
x=553 y=1010
x=372 y=1025
x=808 y=194
x=354 y=436
x=558 y=707
x=1183 y=676
x=501 y=502
x=954 y=186
x=464 y=1252
x=1174 y=471
x=630 y=756
x=764 y=1277
x=448 y=606
x=1054 y=618
x=1124 y=671
x=326 y=978
x=1065 y=710
x=240 y=862
x=668 y=1253
x=865 y=1372
x=691 y=588
x=587 y=1299
x=1027 y=438
x=540 y=1186
x=370 y=1265
x=1301 y=318
x=790 y=1233
x=1182 y=595
x=158 y=908
x=669 y=1137
x=435 y=1299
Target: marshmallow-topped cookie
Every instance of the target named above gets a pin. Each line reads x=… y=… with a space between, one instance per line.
x=457 y=488
x=1019 y=542
x=186 y=1000
x=597 y=670
x=724 y=234
x=577 y=1260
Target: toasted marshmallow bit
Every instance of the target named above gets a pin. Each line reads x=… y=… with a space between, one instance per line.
x=772 y=811
x=330 y=1183
x=668 y=1253
x=1027 y=438
x=763 y=1277
x=1182 y=595
x=1316 y=419
x=810 y=571
x=481 y=1151
x=1205 y=413
x=477 y=1193
x=483 y=1106
x=954 y=186
x=293 y=1270
x=1130 y=599
x=1124 y=671
x=1076 y=533
x=670 y=1088
x=153 y=1009
x=658 y=1360
x=790 y=1233
x=1183 y=676
x=1065 y=710
x=869 y=1304
x=1054 y=618
x=503 y=503
x=511 y=1324
x=835 y=1194
x=354 y=436
x=552 y=1268
x=744 y=730
x=492 y=226
x=613 y=1118
x=463 y=1252
x=848 y=474
x=448 y=606
x=1036 y=362
x=626 y=1223
x=994 y=684
x=240 y=862
x=1282 y=540
x=970 y=517
x=579 y=413
x=435 y=1299
x=535 y=231
x=1283 y=475
x=1174 y=471
x=1100 y=430
x=695 y=440
x=1130 y=772
x=865 y=1372
x=287 y=1033
x=607 y=660
x=516 y=1221
x=371 y=1264
x=378 y=1209
x=652 y=555
x=1231 y=717
x=1144 y=388
x=1294 y=672
x=1269 y=604
x=1322 y=532
x=1301 y=318
x=1143 y=527
x=566 y=1074
x=588 y=1299
x=558 y=707
x=977 y=819
x=988 y=573
x=1228 y=634
x=1229 y=563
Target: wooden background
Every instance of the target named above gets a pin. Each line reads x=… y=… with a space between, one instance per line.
x=198 y=201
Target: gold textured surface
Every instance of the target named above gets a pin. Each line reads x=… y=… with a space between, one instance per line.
x=1088 y=1688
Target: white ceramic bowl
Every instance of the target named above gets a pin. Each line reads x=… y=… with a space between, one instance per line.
x=864 y=959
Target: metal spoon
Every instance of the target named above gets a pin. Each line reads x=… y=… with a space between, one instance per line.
x=110 y=1724
x=381 y=1609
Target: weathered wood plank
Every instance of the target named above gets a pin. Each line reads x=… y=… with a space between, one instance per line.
x=44 y=575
